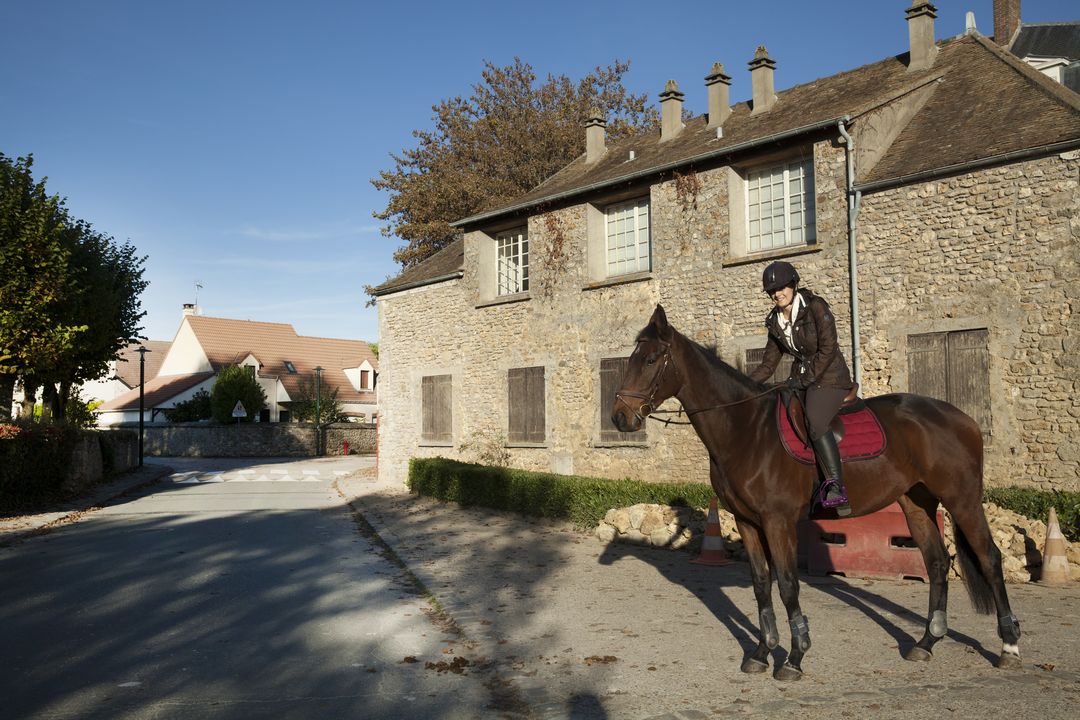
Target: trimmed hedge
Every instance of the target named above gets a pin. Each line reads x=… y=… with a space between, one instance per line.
x=34 y=462
x=1036 y=504
x=581 y=500
x=584 y=501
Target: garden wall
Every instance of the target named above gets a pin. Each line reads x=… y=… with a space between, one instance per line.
x=257 y=440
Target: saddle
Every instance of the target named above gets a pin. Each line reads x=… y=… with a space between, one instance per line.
x=858 y=432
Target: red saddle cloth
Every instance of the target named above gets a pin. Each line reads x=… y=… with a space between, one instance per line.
x=864 y=437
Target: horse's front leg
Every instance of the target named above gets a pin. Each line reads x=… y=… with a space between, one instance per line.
x=758 y=661
x=781 y=537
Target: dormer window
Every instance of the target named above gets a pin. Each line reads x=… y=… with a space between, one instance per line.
x=290 y=368
x=512 y=257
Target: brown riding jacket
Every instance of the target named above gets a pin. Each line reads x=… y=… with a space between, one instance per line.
x=818 y=360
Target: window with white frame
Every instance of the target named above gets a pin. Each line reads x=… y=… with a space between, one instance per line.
x=627 y=235
x=512 y=257
x=780 y=206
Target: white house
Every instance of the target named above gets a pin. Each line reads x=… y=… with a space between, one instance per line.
x=278 y=359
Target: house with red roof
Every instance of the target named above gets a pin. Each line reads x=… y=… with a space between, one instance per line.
x=278 y=358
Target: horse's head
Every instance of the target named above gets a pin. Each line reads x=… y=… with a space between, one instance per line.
x=650 y=377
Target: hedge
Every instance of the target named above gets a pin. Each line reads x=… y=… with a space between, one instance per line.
x=34 y=462
x=584 y=500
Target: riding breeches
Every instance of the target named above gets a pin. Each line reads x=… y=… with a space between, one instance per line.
x=822 y=403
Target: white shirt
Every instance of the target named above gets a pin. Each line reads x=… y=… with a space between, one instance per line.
x=785 y=324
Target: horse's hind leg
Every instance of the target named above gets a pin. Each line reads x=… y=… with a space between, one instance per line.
x=780 y=534
x=758 y=661
x=920 y=508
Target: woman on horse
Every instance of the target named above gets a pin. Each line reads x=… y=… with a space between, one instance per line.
x=801 y=325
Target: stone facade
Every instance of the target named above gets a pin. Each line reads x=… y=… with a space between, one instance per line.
x=994 y=248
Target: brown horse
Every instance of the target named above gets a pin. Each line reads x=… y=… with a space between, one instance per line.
x=934 y=455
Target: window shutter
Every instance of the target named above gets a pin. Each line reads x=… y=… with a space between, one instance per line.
x=969 y=374
x=526 y=404
x=927 y=367
x=517 y=400
x=427 y=408
x=611 y=374
x=436 y=408
x=444 y=409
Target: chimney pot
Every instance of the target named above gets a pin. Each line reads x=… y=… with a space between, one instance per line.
x=761 y=81
x=671 y=101
x=920 y=19
x=595 y=130
x=189 y=309
x=718 y=86
x=1006 y=21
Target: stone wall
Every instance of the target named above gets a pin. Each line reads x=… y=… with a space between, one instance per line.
x=255 y=440
x=98 y=452
x=997 y=245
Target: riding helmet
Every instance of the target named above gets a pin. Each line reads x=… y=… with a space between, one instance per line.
x=777 y=275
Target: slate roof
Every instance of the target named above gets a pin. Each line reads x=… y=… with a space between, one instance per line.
x=1060 y=39
x=443 y=265
x=127 y=361
x=962 y=121
x=157 y=391
x=229 y=342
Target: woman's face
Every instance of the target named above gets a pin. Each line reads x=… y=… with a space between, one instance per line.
x=783 y=297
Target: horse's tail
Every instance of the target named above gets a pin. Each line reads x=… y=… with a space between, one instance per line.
x=982 y=597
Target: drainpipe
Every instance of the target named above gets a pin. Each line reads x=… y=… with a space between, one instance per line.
x=854 y=199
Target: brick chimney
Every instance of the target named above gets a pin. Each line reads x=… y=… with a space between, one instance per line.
x=718 y=85
x=761 y=80
x=595 y=132
x=920 y=23
x=1006 y=21
x=670 y=111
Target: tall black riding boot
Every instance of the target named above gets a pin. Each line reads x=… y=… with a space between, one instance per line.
x=832 y=493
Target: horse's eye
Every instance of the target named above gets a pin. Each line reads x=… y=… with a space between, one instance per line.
x=651 y=360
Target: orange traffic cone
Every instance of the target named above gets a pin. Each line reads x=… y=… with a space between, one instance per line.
x=712 y=545
x=1055 y=567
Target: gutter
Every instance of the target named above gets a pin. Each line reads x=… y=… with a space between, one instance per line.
x=731 y=150
x=890 y=183
x=854 y=199
x=456 y=275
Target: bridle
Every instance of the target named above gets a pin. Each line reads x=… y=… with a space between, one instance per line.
x=648 y=405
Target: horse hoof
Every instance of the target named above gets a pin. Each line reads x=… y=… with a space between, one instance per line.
x=918 y=654
x=1008 y=661
x=754 y=666
x=789 y=673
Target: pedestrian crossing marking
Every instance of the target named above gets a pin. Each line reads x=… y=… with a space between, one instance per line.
x=193 y=477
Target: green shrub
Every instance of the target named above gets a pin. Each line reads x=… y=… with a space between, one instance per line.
x=581 y=500
x=236 y=384
x=1036 y=504
x=195 y=408
x=34 y=462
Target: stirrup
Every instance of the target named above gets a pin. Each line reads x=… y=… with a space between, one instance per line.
x=839 y=501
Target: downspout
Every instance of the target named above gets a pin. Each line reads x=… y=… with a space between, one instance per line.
x=854 y=199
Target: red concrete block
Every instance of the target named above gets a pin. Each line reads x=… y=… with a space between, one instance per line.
x=876 y=545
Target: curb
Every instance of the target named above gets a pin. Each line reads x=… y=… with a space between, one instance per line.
x=44 y=522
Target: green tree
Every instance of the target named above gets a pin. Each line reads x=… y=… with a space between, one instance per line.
x=236 y=384
x=195 y=408
x=303 y=407
x=34 y=267
x=510 y=135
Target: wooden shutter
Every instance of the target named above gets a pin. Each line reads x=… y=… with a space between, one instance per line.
x=611 y=375
x=969 y=374
x=783 y=368
x=928 y=366
x=364 y=379
x=954 y=367
x=527 y=405
x=436 y=407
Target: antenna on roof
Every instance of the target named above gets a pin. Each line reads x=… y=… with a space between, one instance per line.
x=198 y=287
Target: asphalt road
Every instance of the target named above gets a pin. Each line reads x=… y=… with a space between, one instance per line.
x=228 y=590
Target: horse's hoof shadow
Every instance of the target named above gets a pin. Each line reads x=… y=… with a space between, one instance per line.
x=1008 y=661
x=918 y=654
x=754 y=666
x=788 y=673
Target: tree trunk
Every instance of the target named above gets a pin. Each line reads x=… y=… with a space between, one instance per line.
x=26 y=409
x=48 y=402
x=7 y=391
x=62 y=400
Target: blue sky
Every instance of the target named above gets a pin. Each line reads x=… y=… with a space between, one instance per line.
x=232 y=142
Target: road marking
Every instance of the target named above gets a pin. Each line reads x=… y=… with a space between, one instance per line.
x=279 y=471
x=129 y=684
x=310 y=471
x=245 y=472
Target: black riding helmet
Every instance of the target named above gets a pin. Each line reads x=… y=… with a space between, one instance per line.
x=777 y=275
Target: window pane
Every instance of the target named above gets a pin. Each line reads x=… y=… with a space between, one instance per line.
x=512 y=256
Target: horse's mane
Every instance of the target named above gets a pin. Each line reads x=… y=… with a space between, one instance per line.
x=723 y=372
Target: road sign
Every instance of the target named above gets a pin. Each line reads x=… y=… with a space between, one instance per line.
x=239 y=411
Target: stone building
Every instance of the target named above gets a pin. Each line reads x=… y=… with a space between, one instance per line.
x=932 y=196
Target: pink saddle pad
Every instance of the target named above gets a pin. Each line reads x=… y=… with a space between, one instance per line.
x=864 y=437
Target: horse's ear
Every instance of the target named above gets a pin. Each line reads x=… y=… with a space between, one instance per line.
x=660 y=323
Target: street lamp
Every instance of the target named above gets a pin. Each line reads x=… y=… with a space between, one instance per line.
x=318 y=413
x=142 y=410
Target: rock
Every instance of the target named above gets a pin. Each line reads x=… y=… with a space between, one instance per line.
x=637 y=515
x=605 y=532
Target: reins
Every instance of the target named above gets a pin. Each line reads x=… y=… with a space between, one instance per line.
x=695 y=411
